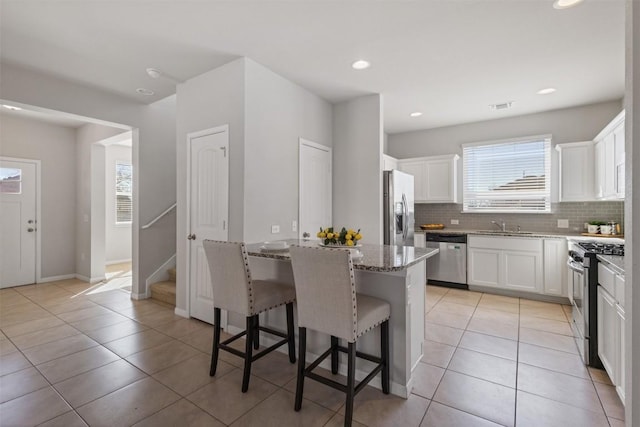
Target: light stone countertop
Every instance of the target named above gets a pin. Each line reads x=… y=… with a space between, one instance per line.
x=616 y=263
x=527 y=233
x=381 y=258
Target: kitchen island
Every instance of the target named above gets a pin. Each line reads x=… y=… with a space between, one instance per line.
x=396 y=274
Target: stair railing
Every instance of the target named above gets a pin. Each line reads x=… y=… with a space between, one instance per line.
x=159 y=217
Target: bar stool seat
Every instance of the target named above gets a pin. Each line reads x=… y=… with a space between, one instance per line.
x=327 y=302
x=235 y=290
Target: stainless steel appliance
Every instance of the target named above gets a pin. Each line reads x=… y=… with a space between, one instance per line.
x=583 y=288
x=397 y=208
x=449 y=266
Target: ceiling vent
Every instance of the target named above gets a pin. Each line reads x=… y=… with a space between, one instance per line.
x=502 y=106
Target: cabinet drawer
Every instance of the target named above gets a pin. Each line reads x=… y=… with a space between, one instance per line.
x=619 y=285
x=506 y=243
x=606 y=278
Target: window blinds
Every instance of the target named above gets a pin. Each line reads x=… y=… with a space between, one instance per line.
x=511 y=176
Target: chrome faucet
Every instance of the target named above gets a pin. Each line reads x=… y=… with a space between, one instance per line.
x=501 y=224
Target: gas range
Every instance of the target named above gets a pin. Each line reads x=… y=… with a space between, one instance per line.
x=598 y=248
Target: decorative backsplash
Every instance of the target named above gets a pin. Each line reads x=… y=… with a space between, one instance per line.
x=576 y=212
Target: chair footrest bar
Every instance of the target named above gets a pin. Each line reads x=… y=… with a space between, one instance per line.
x=327 y=381
x=273 y=332
x=233 y=338
x=231 y=350
x=361 y=355
x=368 y=378
x=268 y=350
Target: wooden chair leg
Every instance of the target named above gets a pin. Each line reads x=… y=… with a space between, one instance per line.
x=248 y=353
x=384 y=355
x=216 y=341
x=291 y=336
x=256 y=336
x=351 y=382
x=335 y=355
x=302 y=351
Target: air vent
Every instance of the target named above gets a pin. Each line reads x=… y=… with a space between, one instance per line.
x=502 y=106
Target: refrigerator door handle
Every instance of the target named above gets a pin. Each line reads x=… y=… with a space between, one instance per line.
x=405 y=214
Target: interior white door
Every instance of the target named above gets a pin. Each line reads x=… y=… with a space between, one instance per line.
x=18 y=223
x=208 y=212
x=315 y=188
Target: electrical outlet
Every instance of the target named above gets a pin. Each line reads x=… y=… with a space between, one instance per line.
x=563 y=223
x=275 y=229
x=455 y=222
x=294 y=225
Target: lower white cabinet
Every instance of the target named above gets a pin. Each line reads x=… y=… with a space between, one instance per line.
x=419 y=240
x=620 y=380
x=611 y=340
x=555 y=267
x=505 y=262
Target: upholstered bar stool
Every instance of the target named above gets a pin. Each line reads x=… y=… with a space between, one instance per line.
x=235 y=290
x=327 y=302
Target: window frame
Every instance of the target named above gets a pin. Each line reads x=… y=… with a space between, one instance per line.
x=547 y=194
x=122 y=193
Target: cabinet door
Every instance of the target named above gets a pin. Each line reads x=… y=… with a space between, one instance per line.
x=418 y=170
x=620 y=380
x=440 y=186
x=608 y=330
x=483 y=267
x=619 y=160
x=555 y=266
x=523 y=270
x=599 y=170
x=576 y=172
x=419 y=240
x=389 y=163
x=609 y=167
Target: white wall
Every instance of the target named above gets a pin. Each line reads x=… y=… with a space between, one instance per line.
x=632 y=213
x=278 y=113
x=153 y=151
x=357 y=166
x=117 y=236
x=55 y=146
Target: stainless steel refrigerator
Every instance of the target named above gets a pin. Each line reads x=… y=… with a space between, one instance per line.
x=398 y=211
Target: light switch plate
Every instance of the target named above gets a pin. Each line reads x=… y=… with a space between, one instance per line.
x=275 y=229
x=563 y=223
x=294 y=225
x=455 y=222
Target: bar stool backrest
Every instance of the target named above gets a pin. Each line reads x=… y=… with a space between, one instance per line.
x=230 y=276
x=325 y=290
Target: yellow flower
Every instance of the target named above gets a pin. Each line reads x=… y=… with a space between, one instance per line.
x=351 y=231
x=349 y=242
x=329 y=235
x=321 y=234
x=358 y=236
x=348 y=237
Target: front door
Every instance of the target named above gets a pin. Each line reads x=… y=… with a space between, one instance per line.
x=208 y=211
x=315 y=188
x=18 y=223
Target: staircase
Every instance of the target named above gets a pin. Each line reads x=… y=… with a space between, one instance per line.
x=165 y=291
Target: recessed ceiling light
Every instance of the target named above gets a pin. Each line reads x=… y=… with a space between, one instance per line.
x=501 y=106
x=416 y=114
x=11 y=107
x=153 y=73
x=361 y=65
x=565 y=4
x=546 y=91
x=145 y=92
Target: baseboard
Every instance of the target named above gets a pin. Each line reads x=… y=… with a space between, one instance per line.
x=139 y=296
x=161 y=274
x=83 y=278
x=118 y=261
x=181 y=312
x=56 y=278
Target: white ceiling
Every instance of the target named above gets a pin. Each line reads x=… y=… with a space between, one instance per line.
x=447 y=58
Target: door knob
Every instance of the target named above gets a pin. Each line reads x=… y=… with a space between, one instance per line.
x=30 y=230
x=30 y=221
x=191 y=237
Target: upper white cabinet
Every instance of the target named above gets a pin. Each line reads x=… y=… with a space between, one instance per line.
x=610 y=160
x=389 y=163
x=576 y=171
x=436 y=178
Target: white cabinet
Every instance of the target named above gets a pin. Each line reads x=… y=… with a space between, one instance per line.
x=555 y=267
x=609 y=160
x=611 y=326
x=505 y=262
x=419 y=240
x=576 y=171
x=436 y=178
x=389 y=163
x=607 y=331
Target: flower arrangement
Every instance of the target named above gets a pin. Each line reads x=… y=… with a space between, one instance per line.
x=344 y=237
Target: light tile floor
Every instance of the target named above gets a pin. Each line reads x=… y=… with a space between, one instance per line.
x=72 y=354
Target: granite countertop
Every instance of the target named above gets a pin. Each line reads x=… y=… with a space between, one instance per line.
x=382 y=258
x=526 y=233
x=616 y=263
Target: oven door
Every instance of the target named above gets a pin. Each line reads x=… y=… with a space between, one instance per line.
x=578 y=287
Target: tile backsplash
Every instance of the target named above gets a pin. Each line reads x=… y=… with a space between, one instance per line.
x=576 y=212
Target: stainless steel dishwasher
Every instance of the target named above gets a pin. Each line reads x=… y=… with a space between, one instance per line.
x=449 y=266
